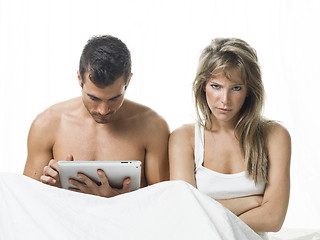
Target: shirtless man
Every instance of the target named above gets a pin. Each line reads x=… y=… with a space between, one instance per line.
x=101 y=125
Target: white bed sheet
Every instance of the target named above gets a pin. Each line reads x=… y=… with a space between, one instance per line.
x=296 y=234
x=168 y=210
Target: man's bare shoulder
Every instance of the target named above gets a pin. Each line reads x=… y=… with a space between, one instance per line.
x=145 y=116
x=51 y=117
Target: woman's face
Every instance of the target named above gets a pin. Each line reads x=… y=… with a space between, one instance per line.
x=225 y=97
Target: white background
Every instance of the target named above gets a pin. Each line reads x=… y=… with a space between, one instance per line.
x=41 y=42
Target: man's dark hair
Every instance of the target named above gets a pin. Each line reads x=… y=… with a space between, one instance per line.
x=105 y=59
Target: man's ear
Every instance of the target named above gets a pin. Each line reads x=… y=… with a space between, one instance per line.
x=128 y=81
x=79 y=79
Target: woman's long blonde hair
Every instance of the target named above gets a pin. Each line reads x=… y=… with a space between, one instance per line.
x=220 y=56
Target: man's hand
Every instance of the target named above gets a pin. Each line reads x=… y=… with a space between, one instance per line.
x=104 y=190
x=50 y=174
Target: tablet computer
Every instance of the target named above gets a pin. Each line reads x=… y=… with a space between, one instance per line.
x=116 y=172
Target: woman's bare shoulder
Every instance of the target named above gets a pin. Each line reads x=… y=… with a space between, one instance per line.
x=278 y=142
x=185 y=130
x=183 y=134
x=275 y=130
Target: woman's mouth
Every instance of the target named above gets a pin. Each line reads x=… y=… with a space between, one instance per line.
x=225 y=110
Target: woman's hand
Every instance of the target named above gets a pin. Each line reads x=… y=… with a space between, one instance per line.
x=242 y=204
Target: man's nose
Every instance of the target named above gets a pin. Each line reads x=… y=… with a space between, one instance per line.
x=103 y=108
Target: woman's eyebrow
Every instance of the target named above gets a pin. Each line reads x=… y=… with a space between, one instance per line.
x=212 y=81
x=237 y=84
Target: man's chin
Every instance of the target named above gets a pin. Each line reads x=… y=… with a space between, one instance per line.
x=103 y=120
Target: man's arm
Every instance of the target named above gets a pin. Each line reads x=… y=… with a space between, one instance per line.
x=40 y=142
x=270 y=216
x=156 y=157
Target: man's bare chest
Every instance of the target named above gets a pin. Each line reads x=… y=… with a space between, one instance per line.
x=93 y=145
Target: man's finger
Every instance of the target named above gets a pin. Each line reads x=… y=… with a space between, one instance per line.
x=103 y=179
x=69 y=157
x=53 y=164
x=48 y=171
x=74 y=182
x=78 y=185
x=74 y=189
x=47 y=180
x=126 y=187
x=87 y=181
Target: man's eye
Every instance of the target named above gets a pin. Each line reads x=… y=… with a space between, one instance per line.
x=115 y=98
x=94 y=99
x=238 y=88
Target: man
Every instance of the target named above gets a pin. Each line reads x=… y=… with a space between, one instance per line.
x=101 y=125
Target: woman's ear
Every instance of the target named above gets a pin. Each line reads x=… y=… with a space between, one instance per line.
x=204 y=88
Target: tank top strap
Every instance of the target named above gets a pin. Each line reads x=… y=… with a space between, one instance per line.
x=198 y=145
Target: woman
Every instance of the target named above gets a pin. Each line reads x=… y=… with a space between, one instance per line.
x=232 y=153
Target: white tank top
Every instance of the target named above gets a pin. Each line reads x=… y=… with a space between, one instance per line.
x=219 y=185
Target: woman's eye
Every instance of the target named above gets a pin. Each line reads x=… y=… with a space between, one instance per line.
x=236 y=88
x=215 y=86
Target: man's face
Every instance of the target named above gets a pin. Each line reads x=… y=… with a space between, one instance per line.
x=103 y=103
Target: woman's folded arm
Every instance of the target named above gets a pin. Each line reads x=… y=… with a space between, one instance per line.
x=270 y=216
x=242 y=204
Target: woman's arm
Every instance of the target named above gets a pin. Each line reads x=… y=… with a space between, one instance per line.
x=242 y=204
x=270 y=216
x=181 y=154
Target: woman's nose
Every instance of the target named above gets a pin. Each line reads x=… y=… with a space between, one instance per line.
x=225 y=97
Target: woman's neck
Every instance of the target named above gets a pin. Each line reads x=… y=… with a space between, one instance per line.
x=223 y=126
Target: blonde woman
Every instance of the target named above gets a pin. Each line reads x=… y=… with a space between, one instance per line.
x=232 y=153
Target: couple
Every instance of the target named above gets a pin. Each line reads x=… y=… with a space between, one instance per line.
x=232 y=153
